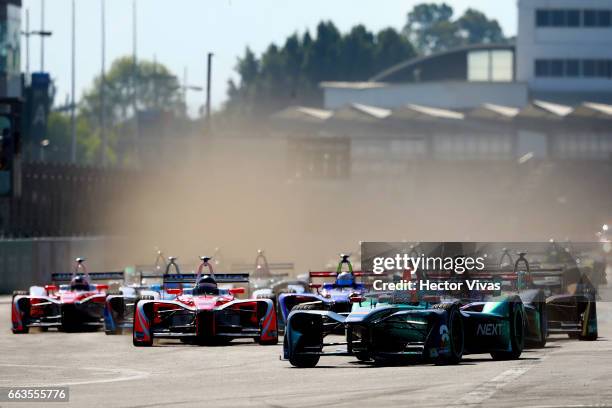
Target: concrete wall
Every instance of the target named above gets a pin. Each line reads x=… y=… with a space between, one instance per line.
x=26 y=262
x=449 y=95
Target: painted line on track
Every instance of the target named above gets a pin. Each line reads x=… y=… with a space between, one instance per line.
x=120 y=375
x=487 y=389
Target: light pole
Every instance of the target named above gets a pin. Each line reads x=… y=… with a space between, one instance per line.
x=103 y=85
x=42 y=38
x=208 y=86
x=73 y=86
x=135 y=77
x=27 y=34
x=186 y=87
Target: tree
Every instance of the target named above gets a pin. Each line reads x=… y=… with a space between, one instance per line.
x=291 y=74
x=391 y=48
x=476 y=28
x=156 y=89
x=431 y=28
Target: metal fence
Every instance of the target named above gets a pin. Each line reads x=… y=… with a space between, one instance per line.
x=62 y=200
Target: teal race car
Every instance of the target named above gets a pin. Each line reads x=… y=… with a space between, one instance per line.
x=390 y=328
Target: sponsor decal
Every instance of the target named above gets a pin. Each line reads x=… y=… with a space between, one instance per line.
x=489 y=329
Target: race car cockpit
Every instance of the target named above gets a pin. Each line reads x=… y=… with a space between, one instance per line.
x=79 y=283
x=345 y=279
x=206 y=285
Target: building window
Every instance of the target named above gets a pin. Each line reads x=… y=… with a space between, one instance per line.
x=589 y=68
x=491 y=66
x=573 y=18
x=573 y=68
x=590 y=18
x=542 y=68
x=556 y=68
x=605 y=18
x=542 y=18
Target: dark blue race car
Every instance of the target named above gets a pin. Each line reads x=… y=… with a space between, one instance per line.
x=333 y=296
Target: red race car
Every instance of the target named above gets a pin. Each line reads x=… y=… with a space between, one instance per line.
x=76 y=305
x=204 y=313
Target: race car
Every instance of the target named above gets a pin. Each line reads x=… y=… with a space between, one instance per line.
x=266 y=282
x=119 y=305
x=72 y=306
x=205 y=314
x=570 y=298
x=329 y=296
x=390 y=328
x=514 y=279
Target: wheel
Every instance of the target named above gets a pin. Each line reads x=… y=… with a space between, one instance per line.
x=517 y=333
x=138 y=342
x=25 y=329
x=589 y=316
x=455 y=333
x=363 y=357
x=271 y=342
x=301 y=360
x=543 y=327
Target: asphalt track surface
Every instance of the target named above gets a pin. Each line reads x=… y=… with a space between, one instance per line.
x=108 y=371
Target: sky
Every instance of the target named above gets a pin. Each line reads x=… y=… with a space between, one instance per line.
x=179 y=33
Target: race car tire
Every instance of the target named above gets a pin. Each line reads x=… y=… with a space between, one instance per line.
x=310 y=306
x=363 y=357
x=540 y=301
x=271 y=342
x=517 y=332
x=304 y=361
x=592 y=315
x=140 y=343
x=455 y=333
x=24 y=329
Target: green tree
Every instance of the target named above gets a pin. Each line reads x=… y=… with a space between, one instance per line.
x=476 y=28
x=431 y=28
x=291 y=74
x=155 y=86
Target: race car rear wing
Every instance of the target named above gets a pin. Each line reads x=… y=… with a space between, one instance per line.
x=328 y=274
x=94 y=276
x=219 y=278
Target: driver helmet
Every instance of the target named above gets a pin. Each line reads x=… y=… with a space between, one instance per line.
x=206 y=286
x=345 y=279
x=79 y=283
